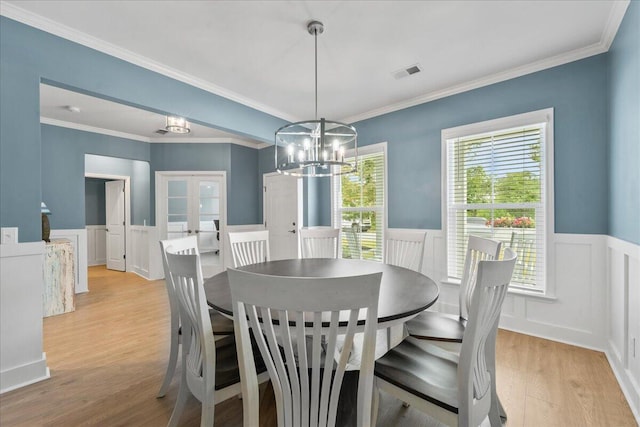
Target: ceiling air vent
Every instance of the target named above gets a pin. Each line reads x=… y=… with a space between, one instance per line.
x=407 y=71
x=162 y=131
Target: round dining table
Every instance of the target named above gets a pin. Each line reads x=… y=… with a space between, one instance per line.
x=403 y=293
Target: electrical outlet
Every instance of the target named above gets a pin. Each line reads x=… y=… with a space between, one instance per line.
x=9 y=235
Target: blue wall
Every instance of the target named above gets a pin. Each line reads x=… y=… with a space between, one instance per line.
x=577 y=92
x=64 y=167
x=29 y=56
x=596 y=136
x=624 y=129
x=240 y=163
x=94 y=201
x=242 y=202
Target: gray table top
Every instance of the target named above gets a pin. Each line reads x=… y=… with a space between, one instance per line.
x=403 y=292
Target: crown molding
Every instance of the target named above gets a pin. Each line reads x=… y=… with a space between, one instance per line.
x=613 y=22
x=186 y=140
x=167 y=140
x=47 y=25
x=86 y=128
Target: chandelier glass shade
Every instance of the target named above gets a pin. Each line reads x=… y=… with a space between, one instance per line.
x=316 y=147
x=177 y=125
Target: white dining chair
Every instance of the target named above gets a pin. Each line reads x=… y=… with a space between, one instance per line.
x=249 y=247
x=447 y=329
x=319 y=242
x=404 y=248
x=220 y=324
x=306 y=383
x=455 y=389
x=210 y=370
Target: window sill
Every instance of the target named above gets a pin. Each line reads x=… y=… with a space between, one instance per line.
x=512 y=291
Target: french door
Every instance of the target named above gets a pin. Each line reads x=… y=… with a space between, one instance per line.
x=195 y=205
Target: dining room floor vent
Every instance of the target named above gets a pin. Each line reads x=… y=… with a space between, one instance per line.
x=162 y=131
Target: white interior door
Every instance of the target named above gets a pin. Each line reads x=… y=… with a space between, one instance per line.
x=282 y=214
x=195 y=205
x=115 y=218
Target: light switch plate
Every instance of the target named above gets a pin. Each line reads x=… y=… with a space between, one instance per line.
x=9 y=235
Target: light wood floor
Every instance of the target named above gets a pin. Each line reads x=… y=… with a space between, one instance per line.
x=107 y=360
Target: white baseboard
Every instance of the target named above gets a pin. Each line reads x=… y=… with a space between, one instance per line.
x=23 y=375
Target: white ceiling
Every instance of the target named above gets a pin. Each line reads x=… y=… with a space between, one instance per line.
x=259 y=52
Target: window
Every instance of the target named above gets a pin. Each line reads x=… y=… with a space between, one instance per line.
x=498 y=185
x=359 y=202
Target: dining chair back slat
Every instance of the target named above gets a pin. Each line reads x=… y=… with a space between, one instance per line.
x=301 y=319
x=319 y=242
x=249 y=247
x=405 y=248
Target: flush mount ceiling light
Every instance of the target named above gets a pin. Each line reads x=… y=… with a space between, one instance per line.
x=315 y=147
x=177 y=125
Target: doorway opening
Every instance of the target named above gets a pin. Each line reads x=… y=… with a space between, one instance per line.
x=108 y=243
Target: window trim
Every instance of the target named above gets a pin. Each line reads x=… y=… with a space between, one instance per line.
x=365 y=150
x=540 y=116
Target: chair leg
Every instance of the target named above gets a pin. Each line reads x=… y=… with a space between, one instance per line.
x=375 y=405
x=503 y=413
x=181 y=401
x=496 y=411
x=208 y=412
x=171 y=366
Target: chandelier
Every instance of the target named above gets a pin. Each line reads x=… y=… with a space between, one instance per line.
x=315 y=147
x=177 y=125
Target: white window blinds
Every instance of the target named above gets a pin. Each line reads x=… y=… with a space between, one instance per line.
x=496 y=189
x=358 y=206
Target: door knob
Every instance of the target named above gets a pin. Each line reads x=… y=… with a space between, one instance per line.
x=197 y=231
x=189 y=231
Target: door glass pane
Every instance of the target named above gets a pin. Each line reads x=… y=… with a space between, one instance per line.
x=208 y=222
x=177 y=189
x=177 y=206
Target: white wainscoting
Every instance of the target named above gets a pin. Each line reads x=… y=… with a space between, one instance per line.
x=576 y=315
x=145 y=259
x=79 y=240
x=22 y=361
x=623 y=317
x=96 y=245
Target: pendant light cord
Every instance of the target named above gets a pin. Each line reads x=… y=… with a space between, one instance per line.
x=315 y=38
